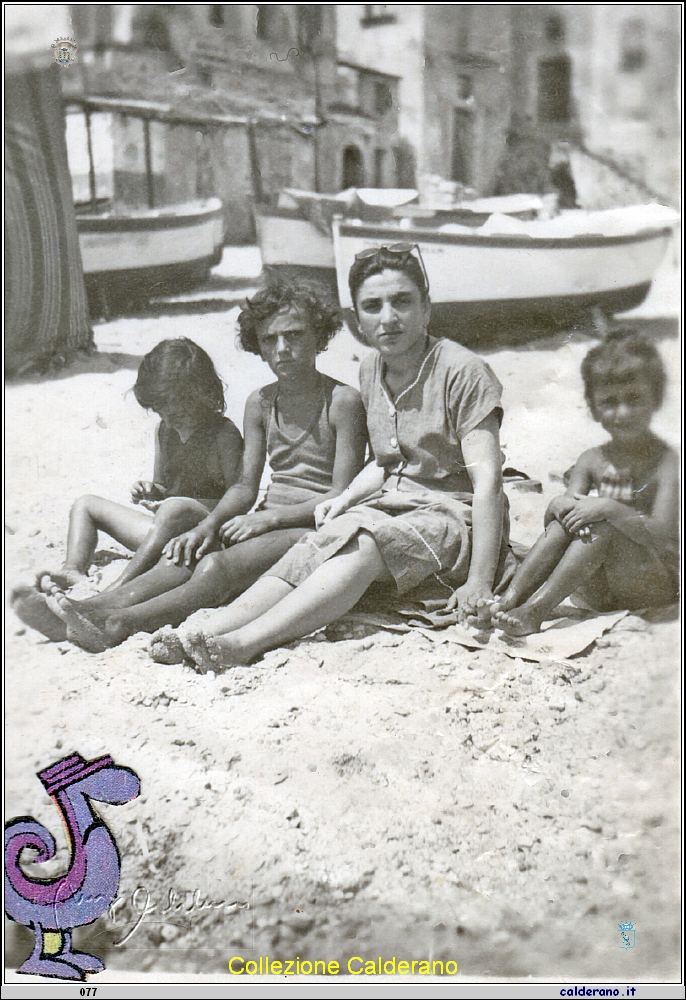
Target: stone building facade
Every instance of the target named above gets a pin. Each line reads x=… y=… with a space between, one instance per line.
x=234 y=100
x=485 y=90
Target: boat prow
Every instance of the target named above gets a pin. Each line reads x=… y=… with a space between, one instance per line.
x=142 y=253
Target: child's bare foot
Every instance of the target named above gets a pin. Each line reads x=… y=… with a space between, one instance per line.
x=166 y=646
x=51 y=581
x=92 y=630
x=212 y=653
x=510 y=599
x=519 y=621
x=33 y=609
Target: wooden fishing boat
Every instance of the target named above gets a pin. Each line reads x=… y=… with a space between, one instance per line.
x=149 y=251
x=295 y=236
x=509 y=271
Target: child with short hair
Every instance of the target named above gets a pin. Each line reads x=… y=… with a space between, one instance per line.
x=198 y=455
x=619 y=548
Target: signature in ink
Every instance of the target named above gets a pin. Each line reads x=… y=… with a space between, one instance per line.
x=178 y=907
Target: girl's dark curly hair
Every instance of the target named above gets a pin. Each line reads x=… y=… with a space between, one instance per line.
x=323 y=316
x=179 y=372
x=623 y=356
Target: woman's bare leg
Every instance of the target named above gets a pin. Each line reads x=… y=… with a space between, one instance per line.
x=174 y=516
x=535 y=569
x=333 y=588
x=89 y=515
x=635 y=578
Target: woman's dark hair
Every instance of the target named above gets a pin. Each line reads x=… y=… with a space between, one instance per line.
x=385 y=260
x=178 y=371
x=623 y=356
x=324 y=318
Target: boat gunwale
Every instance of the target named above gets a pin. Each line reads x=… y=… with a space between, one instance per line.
x=512 y=241
x=137 y=223
x=281 y=213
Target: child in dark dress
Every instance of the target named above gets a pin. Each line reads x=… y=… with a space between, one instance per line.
x=198 y=455
x=620 y=547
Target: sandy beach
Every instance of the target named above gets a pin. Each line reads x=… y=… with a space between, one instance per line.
x=361 y=792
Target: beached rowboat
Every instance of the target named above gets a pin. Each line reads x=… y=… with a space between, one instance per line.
x=146 y=251
x=509 y=270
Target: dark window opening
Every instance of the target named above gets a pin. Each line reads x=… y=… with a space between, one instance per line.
x=156 y=35
x=377 y=13
x=216 y=15
x=464 y=29
x=353 y=168
x=271 y=23
x=379 y=165
x=310 y=22
x=383 y=98
x=405 y=174
x=464 y=87
x=555 y=89
x=463 y=141
x=634 y=56
x=555 y=29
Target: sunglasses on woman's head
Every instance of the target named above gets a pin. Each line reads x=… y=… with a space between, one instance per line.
x=399 y=249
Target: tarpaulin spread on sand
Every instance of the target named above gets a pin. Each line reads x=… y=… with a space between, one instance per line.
x=45 y=301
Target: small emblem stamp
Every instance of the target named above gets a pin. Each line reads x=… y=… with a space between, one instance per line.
x=64 y=51
x=628 y=932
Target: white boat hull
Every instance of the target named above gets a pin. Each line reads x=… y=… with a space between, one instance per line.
x=473 y=270
x=145 y=243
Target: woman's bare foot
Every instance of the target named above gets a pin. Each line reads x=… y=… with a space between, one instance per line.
x=92 y=630
x=519 y=621
x=33 y=608
x=212 y=652
x=51 y=581
x=166 y=646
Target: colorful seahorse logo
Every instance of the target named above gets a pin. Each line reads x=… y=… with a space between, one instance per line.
x=52 y=907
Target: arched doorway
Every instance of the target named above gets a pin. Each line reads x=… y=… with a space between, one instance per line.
x=353 y=168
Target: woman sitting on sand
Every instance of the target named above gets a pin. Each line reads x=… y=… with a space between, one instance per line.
x=198 y=455
x=619 y=548
x=432 y=503
x=313 y=430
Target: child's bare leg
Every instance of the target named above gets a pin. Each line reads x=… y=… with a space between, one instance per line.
x=176 y=515
x=89 y=515
x=635 y=578
x=333 y=588
x=217 y=578
x=163 y=577
x=536 y=567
